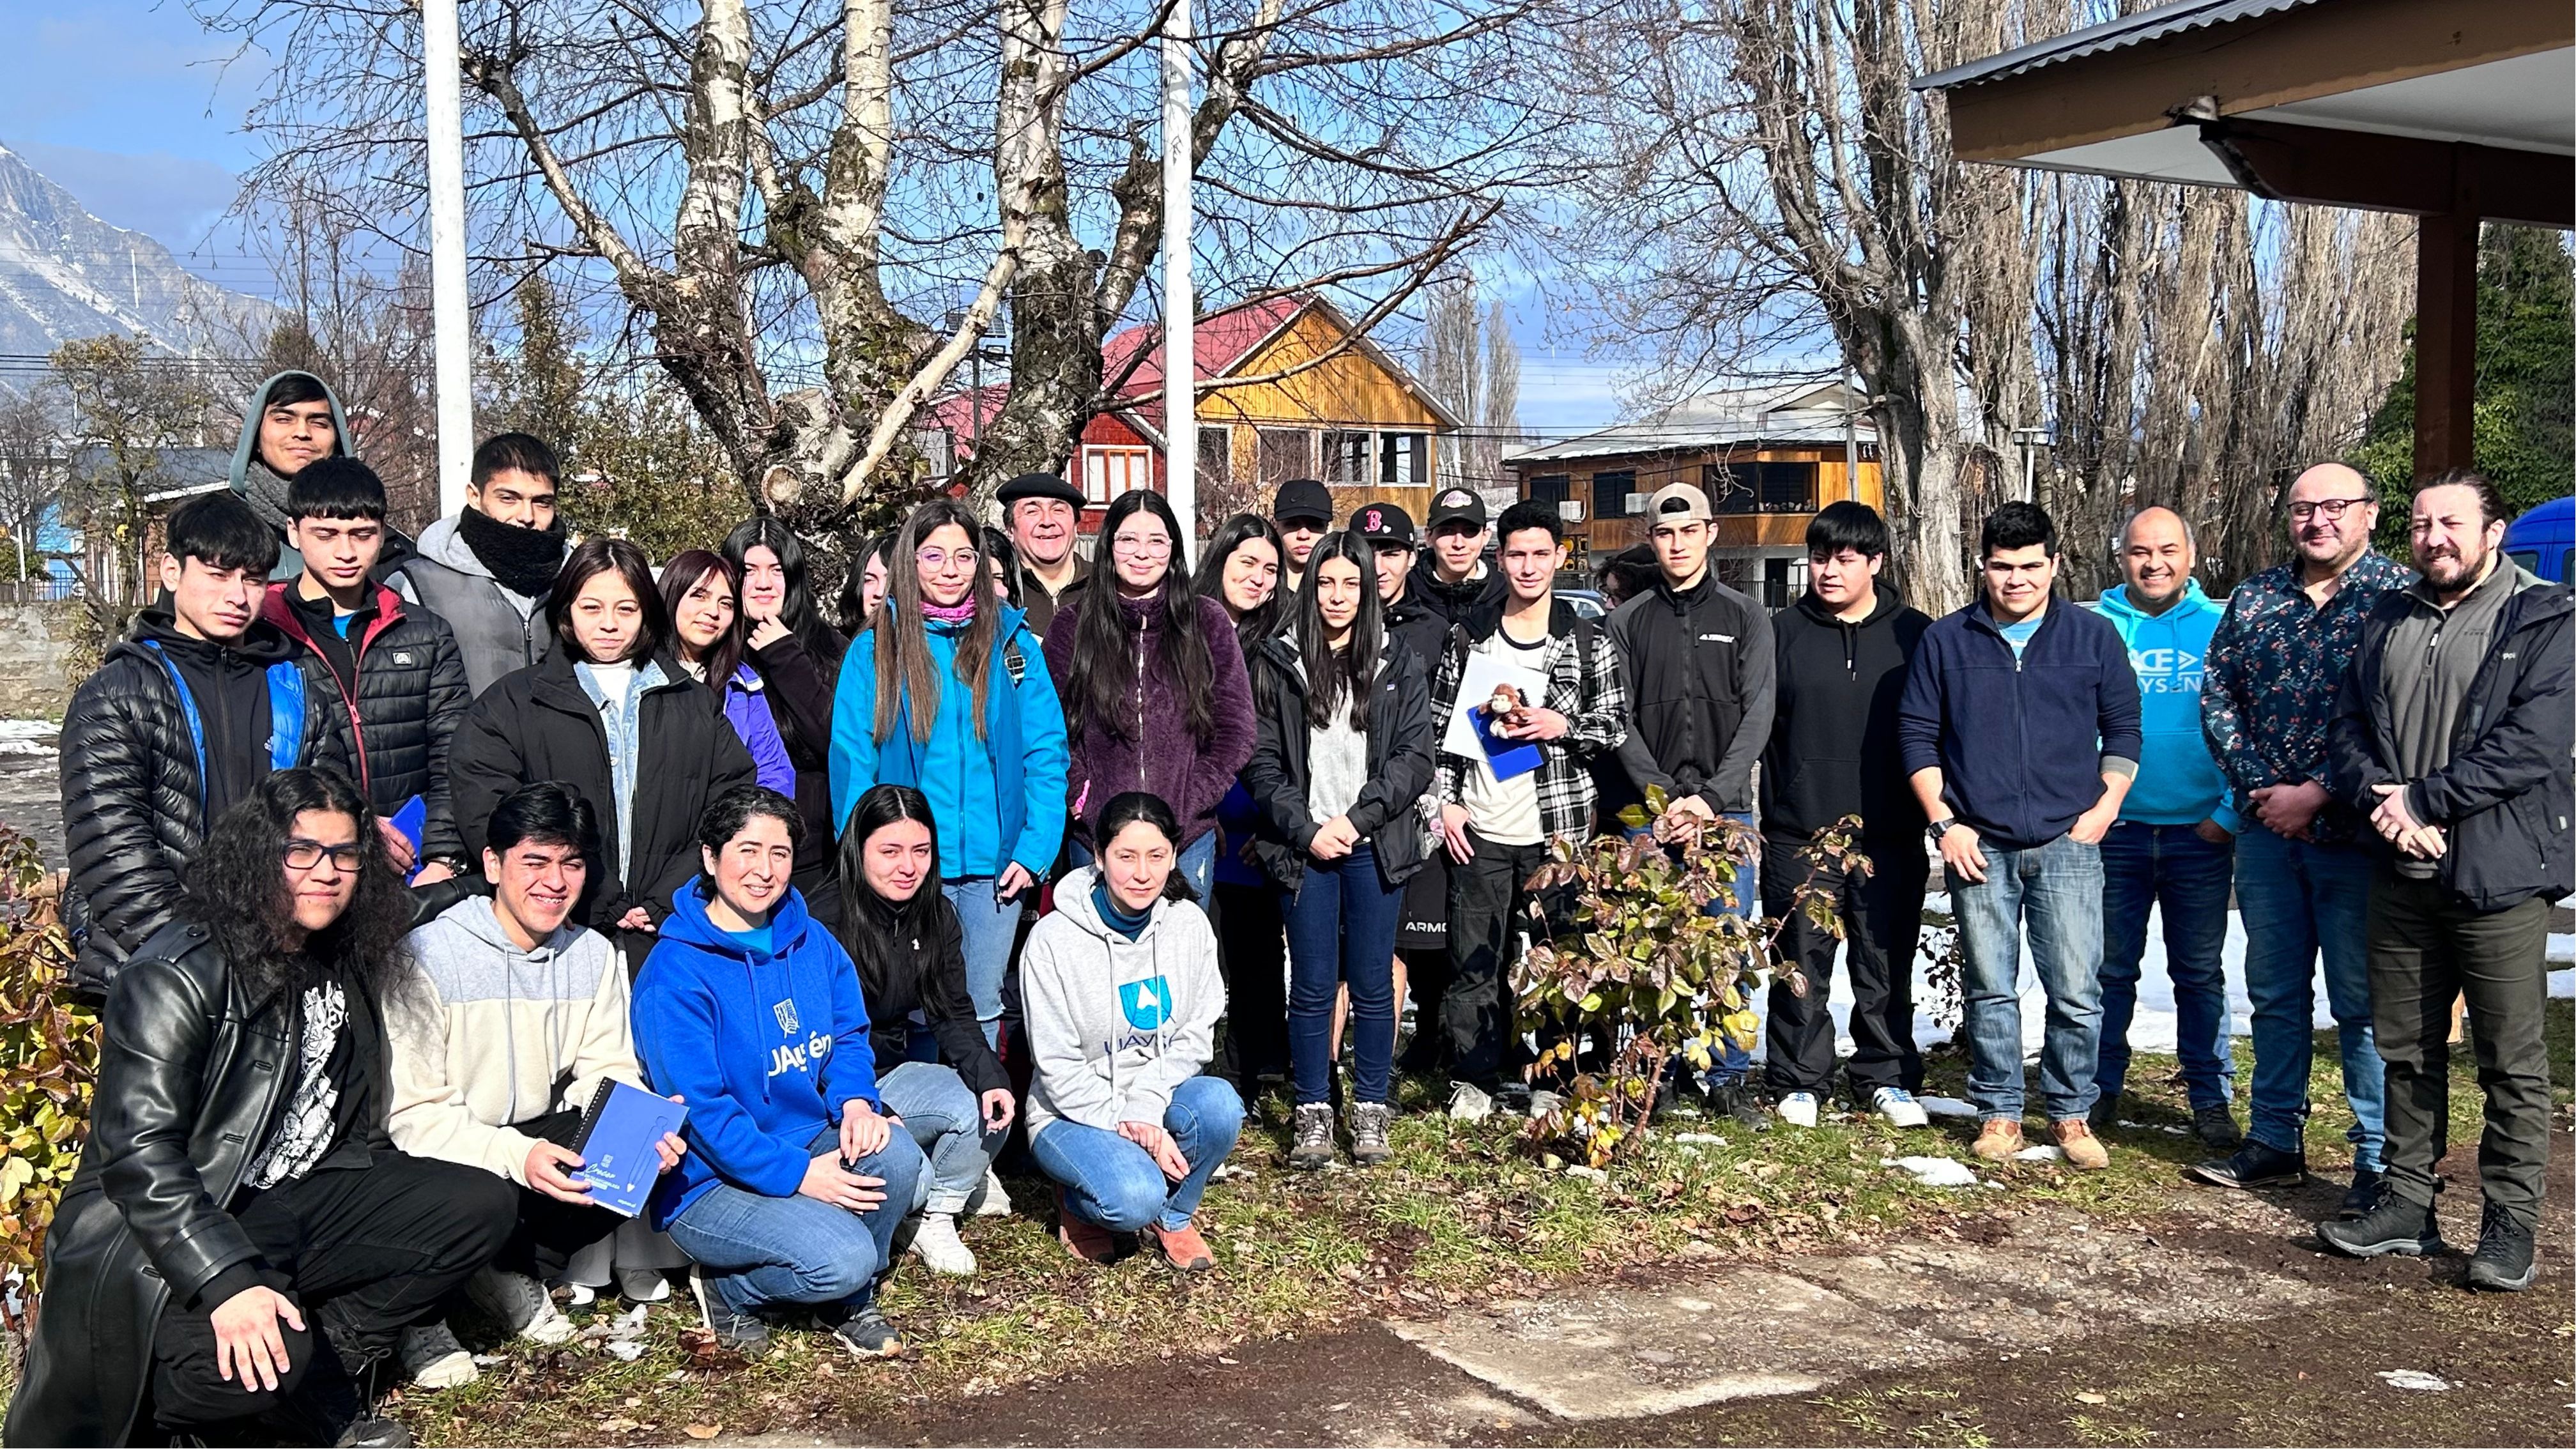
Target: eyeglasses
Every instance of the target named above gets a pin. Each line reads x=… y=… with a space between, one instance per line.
x=2332 y=508
x=306 y=854
x=1155 y=547
x=934 y=559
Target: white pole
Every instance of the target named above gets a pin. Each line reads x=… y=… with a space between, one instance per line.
x=451 y=335
x=1180 y=308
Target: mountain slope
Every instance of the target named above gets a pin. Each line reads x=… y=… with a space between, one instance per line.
x=64 y=274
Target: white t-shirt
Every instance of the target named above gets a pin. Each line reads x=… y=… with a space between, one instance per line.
x=1506 y=811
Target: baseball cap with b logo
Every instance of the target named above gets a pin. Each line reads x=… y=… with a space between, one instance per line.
x=1383 y=524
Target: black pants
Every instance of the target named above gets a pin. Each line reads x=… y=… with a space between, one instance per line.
x=1252 y=954
x=1489 y=904
x=363 y=1252
x=2425 y=950
x=1882 y=916
x=550 y=1231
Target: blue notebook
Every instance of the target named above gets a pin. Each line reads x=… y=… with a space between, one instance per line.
x=1506 y=758
x=616 y=1143
x=413 y=819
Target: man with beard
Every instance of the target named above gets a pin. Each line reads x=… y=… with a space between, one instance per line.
x=488 y=568
x=2452 y=731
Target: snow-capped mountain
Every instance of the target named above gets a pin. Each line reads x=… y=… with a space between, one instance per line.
x=64 y=274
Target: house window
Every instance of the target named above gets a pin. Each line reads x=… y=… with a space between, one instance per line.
x=1550 y=488
x=1788 y=487
x=1403 y=458
x=1610 y=494
x=1760 y=487
x=1108 y=472
x=1285 y=453
x=1346 y=457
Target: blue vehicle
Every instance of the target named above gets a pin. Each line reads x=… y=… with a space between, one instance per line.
x=2543 y=540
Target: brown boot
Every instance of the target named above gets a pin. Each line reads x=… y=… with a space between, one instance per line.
x=1999 y=1139
x=1183 y=1248
x=2075 y=1137
x=1081 y=1237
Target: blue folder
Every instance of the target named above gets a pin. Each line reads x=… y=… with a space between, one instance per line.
x=412 y=820
x=619 y=1159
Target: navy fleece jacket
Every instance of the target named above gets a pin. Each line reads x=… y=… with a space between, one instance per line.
x=2021 y=743
x=765 y=1046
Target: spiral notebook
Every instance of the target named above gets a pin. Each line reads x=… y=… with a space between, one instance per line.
x=617 y=1144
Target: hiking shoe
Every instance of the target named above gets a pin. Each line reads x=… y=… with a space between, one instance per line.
x=2367 y=1185
x=866 y=1333
x=1898 y=1106
x=2217 y=1127
x=2074 y=1137
x=2254 y=1165
x=432 y=1358
x=519 y=1304
x=1082 y=1237
x=2503 y=1262
x=1798 y=1109
x=1183 y=1248
x=2106 y=1112
x=2395 y=1226
x=1313 y=1145
x=1998 y=1139
x=936 y=1244
x=743 y=1333
x=1735 y=1102
x=1368 y=1133
x=991 y=1200
x=1469 y=1102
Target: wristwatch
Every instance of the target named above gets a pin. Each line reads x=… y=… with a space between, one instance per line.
x=1939 y=828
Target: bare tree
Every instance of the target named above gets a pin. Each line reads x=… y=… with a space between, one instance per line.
x=31 y=467
x=1470 y=362
x=131 y=408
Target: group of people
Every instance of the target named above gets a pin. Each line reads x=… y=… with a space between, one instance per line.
x=383 y=861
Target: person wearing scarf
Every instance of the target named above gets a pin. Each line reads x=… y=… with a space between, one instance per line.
x=489 y=568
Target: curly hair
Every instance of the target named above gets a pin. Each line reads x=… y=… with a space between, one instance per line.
x=236 y=887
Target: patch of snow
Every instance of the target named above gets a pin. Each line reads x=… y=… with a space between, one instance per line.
x=2415 y=1379
x=1932 y=1171
x=2044 y=1152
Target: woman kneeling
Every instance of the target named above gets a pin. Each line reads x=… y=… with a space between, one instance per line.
x=1121 y=993
x=794 y=1180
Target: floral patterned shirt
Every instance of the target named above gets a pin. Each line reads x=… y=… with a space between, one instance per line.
x=2273 y=669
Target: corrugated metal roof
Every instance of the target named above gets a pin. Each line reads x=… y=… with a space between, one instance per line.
x=2128 y=30
x=1730 y=417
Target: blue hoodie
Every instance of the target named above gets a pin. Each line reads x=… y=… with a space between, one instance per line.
x=2179 y=782
x=997 y=797
x=765 y=1046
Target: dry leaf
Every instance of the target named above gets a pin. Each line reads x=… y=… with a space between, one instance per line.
x=618 y=1426
x=703 y=1431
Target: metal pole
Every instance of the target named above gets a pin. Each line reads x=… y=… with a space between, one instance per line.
x=1180 y=308
x=1851 y=440
x=450 y=328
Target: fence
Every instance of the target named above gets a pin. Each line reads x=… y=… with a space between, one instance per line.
x=51 y=590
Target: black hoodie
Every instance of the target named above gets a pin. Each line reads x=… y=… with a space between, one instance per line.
x=912 y=957
x=230 y=685
x=1833 y=749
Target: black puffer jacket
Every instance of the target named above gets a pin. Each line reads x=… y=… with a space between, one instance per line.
x=410 y=698
x=134 y=800
x=538 y=724
x=1401 y=745
x=191 y=1083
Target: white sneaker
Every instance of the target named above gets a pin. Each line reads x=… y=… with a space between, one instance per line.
x=1469 y=1102
x=519 y=1304
x=643 y=1285
x=1898 y=1106
x=432 y=1358
x=936 y=1244
x=990 y=1200
x=1798 y=1109
x=1542 y=1101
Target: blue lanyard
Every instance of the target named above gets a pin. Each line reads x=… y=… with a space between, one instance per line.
x=285 y=715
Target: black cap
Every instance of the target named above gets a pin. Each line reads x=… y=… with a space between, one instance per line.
x=1457 y=505
x=1383 y=524
x=1039 y=485
x=1301 y=498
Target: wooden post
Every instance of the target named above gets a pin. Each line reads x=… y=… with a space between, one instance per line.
x=2446 y=341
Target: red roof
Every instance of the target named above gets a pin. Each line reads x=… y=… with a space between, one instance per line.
x=957 y=411
x=1218 y=342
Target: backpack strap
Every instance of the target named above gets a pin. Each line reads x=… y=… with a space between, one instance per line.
x=1012 y=661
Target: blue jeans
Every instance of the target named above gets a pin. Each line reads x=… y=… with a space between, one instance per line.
x=944 y=1120
x=1341 y=927
x=758 y=1250
x=1112 y=1182
x=1729 y=1064
x=2171 y=867
x=988 y=926
x=2302 y=902
x=2057 y=888
x=1197 y=864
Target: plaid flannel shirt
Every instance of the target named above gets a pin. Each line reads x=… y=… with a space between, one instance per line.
x=1594 y=703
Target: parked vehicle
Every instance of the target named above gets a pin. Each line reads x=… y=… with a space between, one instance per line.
x=2543 y=540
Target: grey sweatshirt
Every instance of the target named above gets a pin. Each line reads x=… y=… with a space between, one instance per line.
x=1115 y=1025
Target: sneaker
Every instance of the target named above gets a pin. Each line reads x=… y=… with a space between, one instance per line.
x=1183 y=1248
x=1798 y=1109
x=1313 y=1145
x=643 y=1285
x=1998 y=1139
x=2074 y=1137
x=519 y=1305
x=2367 y=1184
x=1082 y=1237
x=743 y=1333
x=1898 y=1106
x=2503 y=1262
x=1469 y=1102
x=2395 y=1226
x=2254 y=1165
x=371 y=1432
x=936 y=1244
x=2217 y=1127
x=867 y=1334
x=1736 y=1102
x=991 y=1200
x=1542 y=1101
x=432 y=1358
x=2106 y=1112
x=1368 y=1133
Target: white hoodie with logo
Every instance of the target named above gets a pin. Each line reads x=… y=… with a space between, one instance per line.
x=1115 y=1025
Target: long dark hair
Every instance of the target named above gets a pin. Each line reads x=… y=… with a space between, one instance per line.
x=1132 y=806
x=904 y=662
x=596 y=556
x=1103 y=682
x=1234 y=533
x=682 y=574
x=764 y=530
x=851 y=604
x=1329 y=676
x=869 y=922
x=236 y=889
x=998 y=548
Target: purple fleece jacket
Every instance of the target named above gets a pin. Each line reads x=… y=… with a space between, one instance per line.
x=1151 y=747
